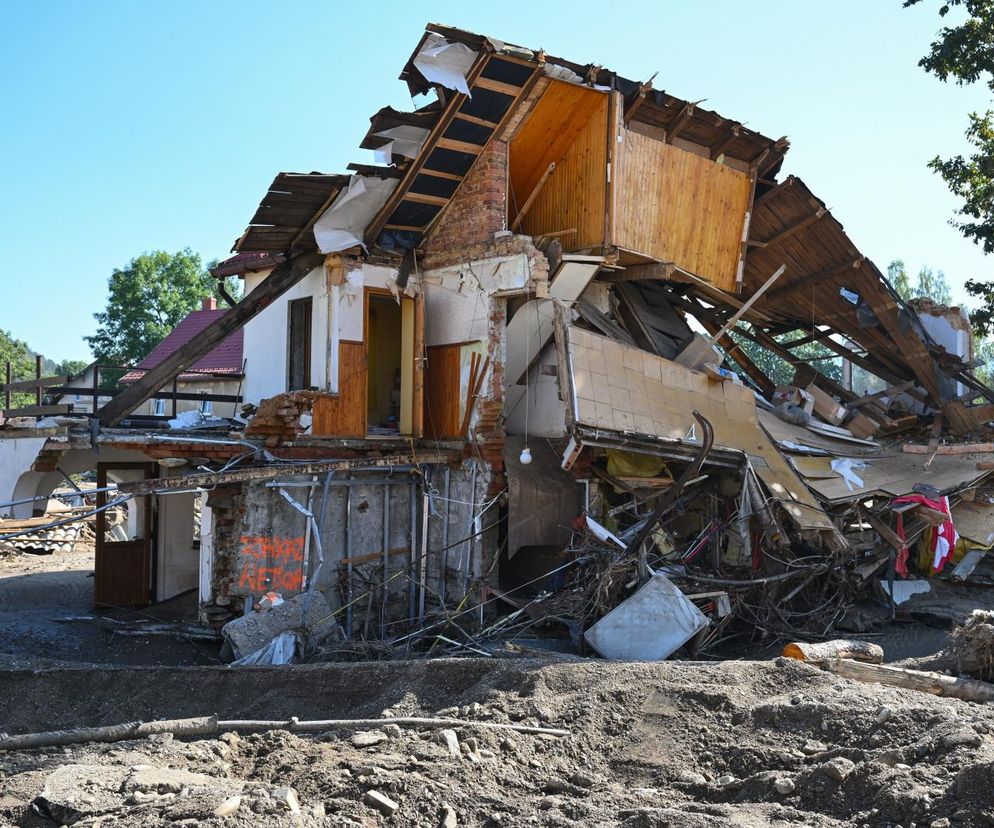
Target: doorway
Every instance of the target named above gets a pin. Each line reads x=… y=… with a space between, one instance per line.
x=123 y=565
x=394 y=336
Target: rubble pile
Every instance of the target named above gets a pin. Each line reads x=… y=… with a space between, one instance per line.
x=281 y=418
x=971 y=646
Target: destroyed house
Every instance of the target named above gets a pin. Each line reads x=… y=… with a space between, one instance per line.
x=507 y=361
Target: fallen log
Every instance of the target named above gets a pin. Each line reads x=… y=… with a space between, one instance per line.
x=854 y=650
x=935 y=684
x=211 y=725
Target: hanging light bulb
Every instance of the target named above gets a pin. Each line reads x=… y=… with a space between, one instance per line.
x=525 y=457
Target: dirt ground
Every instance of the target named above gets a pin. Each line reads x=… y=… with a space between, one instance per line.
x=763 y=742
x=47 y=618
x=676 y=744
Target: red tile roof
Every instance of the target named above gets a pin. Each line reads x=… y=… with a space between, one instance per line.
x=226 y=358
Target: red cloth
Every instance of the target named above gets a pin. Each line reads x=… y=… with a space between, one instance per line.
x=944 y=537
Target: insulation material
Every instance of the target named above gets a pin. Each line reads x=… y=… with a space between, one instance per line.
x=343 y=224
x=651 y=625
x=405 y=140
x=625 y=389
x=444 y=63
x=543 y=499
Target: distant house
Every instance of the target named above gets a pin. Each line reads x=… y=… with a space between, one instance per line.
x=219 y=372
x=82 y=402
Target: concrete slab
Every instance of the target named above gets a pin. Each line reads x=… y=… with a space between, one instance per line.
x=254 y=631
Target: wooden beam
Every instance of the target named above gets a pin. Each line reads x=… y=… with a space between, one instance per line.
x=38 y=411
x=640 y=273
x=279 y=281
x=497 y=86
x=812 y=278
x=422 y=198
x=787 y=232
x=678 y=124
x=886 y=533
x=32 y=384
x=459 y=146
x=532 y=196
x=725 y=140
x=633 y=106
x=741 y=358
x=253 y=473
x=740 y=312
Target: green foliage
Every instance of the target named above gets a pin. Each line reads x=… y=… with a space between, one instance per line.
x=780 y=371
x=931 y=284
x=983 y=350
x=965 y=54
x=147 y=299
x=22 y=363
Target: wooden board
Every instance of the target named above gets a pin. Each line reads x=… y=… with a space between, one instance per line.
x=443 y=391
x=344 y=414
x=568 y=127
x=679 y=207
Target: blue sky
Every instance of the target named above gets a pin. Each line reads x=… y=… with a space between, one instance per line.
x=132 y=126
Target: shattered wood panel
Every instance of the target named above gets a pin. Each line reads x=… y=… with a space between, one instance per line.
x=344 y=414
x=443 y=391
x=568 y=128
x=676 y=206
x=620 y=388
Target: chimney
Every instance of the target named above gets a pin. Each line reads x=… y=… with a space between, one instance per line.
x=210 y=303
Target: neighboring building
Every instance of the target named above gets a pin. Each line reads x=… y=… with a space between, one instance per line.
x=83 y=401
x=217 y=373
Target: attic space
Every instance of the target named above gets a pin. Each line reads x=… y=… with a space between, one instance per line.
x=568 y=129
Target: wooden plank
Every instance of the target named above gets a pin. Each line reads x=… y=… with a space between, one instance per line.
x=731 y=323
x=676 y=206
x=964 y=569
x=281 y=279
x=607 y=326
x=344 y=414
x=638 y=273
x=496 y=86
x=443 y=391
x=962 y=448
x=532 y=196
x=725 y=140
x=679 y=123
x=813 y=278
x=787 y=232
x=38 y=411
x=458 y=146
x=422 y=198
x=888 y=535
x=742 y=359
x=32 y=384
x=256 y=473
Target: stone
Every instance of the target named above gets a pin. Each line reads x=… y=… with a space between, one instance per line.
x=393 y=731
x=318 y=811
x=582 y=780
x=228 y=807
x=811 y=747
x=941 y=822
x=689 y=777
x=883 y=714
x=727 y=780
x=448 y=817
x=555 y=785
x=449 y=738
x=381 y=802
x=287 y=798
x=784 y=786
x=368 y=738
x=961 y=738
x=838 y=769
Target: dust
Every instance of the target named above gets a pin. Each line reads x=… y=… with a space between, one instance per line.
x=675 y=744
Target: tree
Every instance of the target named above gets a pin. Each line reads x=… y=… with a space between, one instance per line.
x=931 y=284
x=897 y=275
x=148 y=298
x=965 y=54
x=779 y=370
x=22 y=365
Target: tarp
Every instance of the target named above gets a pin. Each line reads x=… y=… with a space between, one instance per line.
x=404 y=140
x=445 y=63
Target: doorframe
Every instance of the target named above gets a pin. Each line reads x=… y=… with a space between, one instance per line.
x=151 y=550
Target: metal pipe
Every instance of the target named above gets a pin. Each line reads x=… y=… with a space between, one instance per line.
x=348 y=560
x=444 y=563
x=412 y=590
x=386 y=557
x=422 y=562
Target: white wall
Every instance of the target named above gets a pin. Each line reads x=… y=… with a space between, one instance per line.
x=265 y=348
x=178 y=565
x=16 y=457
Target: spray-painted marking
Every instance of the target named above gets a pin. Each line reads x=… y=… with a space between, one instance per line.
x=271 y=564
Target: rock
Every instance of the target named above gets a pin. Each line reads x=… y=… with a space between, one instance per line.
x=318 y=811
x=811 y=747
x=555 y=785
x=582 y=780
x=838 y=769
x=727 y=780
x=287 y=798
x=883 y=714
x=393 y=731
x=688 y=777
x=784 y=786
x=941 y=822
x=449 y=738
x=448 y=817
x=368 y=738
x=961 y=738
x=381 y=802
x=228 y=807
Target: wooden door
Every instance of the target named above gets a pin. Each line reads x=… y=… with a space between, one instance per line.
x=123 y=568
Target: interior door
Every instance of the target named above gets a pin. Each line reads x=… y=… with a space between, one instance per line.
x=123 y=566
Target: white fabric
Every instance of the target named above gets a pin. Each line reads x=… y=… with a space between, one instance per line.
x=445 y=63
x=343 y=224
x=846 y=466
x=405 y=140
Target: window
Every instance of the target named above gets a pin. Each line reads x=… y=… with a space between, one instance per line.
x=159 y=408
x=299 y=345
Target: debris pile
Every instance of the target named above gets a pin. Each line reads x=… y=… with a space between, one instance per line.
x=971 y=646
x=281 y=418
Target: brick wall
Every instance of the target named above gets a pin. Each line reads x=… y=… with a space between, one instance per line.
x=478 y=210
